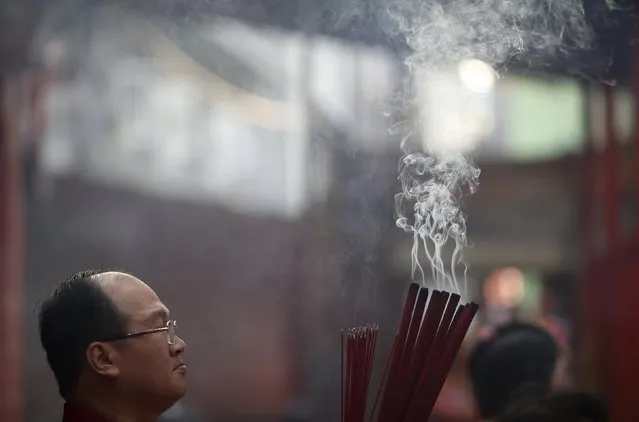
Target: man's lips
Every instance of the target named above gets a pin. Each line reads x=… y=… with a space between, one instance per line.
x=180 y=367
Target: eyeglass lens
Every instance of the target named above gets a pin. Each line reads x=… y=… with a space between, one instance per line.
x=171 y=332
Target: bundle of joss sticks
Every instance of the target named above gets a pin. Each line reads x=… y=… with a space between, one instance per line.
x=430 y=334
x=358 y=352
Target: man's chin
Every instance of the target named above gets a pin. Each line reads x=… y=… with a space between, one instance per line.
x=172 y=396
x=180 y=387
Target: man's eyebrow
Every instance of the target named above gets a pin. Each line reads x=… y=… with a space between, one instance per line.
x=158 y=313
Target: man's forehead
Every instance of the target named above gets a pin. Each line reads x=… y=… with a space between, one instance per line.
x=131 y=295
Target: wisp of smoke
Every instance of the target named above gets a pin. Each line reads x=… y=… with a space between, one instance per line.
x=440 y=34
x=495 y=31
x=429 y=208
x=443 y=32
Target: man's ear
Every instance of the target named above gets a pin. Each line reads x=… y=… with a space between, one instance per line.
x=103 y=359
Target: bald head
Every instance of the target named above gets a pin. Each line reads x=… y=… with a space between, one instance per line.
x=110 y=281
x=133 y=298
x=105 y=278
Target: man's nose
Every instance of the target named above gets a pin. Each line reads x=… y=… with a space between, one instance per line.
x=179 y=346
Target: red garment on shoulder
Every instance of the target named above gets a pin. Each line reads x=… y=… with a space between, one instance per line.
x=81 y=414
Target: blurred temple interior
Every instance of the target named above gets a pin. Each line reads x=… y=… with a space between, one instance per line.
x=116 y=152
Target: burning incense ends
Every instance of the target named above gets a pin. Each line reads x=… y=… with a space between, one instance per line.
x=429 y=336
x=358 y=352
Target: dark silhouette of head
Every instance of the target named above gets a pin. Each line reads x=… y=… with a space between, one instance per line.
x=516 y=355
x=578 y=406
x=108 y=343
x=564 y=406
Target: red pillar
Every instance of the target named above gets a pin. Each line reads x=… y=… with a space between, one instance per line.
x=623 y=263
x=587 y=181
x=588 y=331
x=610 y=327
x=611 y=173
x=627 y=291
x=636 y=137
x=10 y=261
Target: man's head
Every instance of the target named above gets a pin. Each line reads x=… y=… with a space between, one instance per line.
x=515 y=356
x=106 y=334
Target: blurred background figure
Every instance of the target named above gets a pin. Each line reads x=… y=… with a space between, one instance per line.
x=514 y=356
x=568 y=406
x=244 y=156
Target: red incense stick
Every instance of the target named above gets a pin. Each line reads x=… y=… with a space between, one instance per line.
x=359 y=355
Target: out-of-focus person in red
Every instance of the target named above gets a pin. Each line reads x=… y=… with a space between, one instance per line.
x=510 y=357
x=113 y=349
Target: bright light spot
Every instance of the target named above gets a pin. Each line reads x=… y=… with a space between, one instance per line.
x=477 y=76
x=505 y=288
x=453 y=118
x=55 y=52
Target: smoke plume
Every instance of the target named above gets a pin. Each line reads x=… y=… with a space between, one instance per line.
x=441 y=34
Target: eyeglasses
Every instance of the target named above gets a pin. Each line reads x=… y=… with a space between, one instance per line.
x=169 y=328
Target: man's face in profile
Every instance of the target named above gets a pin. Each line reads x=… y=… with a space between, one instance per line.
x=146 y=365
